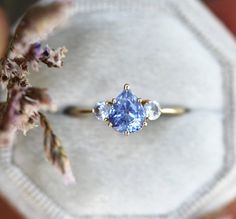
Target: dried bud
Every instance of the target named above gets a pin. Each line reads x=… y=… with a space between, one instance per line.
x=53 y=58
x=23 y=106
x=21 y=111
x=7 y=132
x=40 y=21
x=13 y=73
x=55 y=152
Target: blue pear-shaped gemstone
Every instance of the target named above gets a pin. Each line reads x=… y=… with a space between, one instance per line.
x=127 y=114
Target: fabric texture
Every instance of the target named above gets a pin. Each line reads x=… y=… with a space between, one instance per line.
x=163 y=54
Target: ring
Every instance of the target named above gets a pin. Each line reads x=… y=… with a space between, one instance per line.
x=127 y=113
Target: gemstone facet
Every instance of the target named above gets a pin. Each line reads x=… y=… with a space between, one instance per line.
x=127 y=114
x=102 y=110
x=152 y=110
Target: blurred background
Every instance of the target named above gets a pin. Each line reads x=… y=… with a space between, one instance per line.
x=11 y=10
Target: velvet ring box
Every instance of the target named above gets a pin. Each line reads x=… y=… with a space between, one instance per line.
x=172 y=51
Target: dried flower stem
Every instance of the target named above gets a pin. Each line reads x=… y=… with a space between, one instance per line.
x=54 y=150
x=21 y=111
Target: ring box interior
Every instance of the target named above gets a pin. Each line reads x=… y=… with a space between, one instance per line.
x=171 y=51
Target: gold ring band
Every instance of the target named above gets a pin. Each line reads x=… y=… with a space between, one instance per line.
x=126 y=113
x=76 y=111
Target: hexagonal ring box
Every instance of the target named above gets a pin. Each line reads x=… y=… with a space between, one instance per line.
x=172 y=51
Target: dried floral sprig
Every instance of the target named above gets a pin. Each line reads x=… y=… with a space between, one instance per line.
x=39 y=22
x=52 y=57
x=20 y=112
x=13 y=74
x=54 y=150
x=24 y=103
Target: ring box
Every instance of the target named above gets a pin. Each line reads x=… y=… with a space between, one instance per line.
x=171 y=51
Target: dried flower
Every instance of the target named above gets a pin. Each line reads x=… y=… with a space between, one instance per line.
x=40 y=21
x=55 y=152
x=52 y=57
x=13 y=73
x=7 y=132
x=22 y=108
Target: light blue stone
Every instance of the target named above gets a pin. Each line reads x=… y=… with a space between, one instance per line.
x=153 y=110
x=102 y=110
x=127 y=114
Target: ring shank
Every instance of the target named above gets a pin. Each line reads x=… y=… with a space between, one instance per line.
x=77 y=112
x=174 y=110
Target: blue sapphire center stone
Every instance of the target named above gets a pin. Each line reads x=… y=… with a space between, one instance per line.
x=127 y=114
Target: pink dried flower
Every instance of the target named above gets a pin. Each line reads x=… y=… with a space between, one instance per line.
x=21 y=111
x=52 y=57
x=13 y=73
x=55 y=152
x=7 y=132
x=40 y=21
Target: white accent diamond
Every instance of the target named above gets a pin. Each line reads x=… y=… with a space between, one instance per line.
x=102 y=110
x=152 y=109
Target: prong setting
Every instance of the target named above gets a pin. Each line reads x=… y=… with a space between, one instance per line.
x=113 y=100
x=126 y=87
x=126 y=133
x=145 y=124
x=140 y=100
x=109 y=124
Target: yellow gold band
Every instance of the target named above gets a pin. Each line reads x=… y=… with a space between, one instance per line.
x=75 y=111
